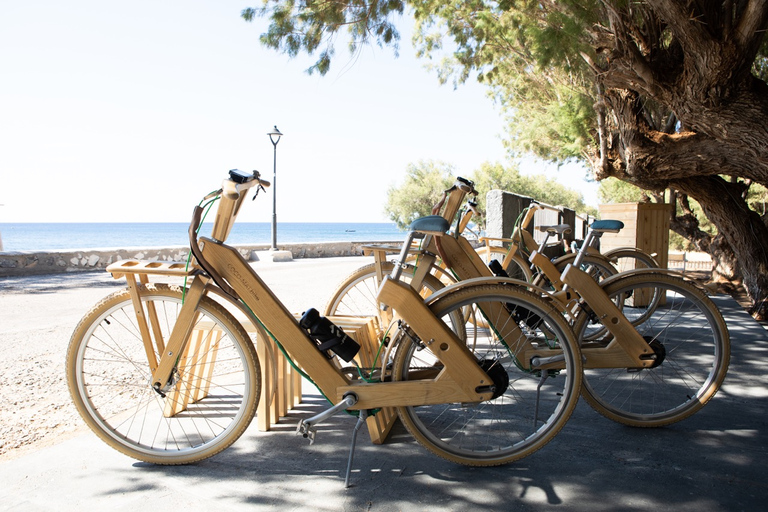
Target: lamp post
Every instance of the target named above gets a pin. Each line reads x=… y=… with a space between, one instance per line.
x=274 y=133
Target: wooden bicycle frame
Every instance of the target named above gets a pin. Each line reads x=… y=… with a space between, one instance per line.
x=460 y=380
x=627 y=349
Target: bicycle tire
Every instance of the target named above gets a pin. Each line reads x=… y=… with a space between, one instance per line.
x=212 y=403
x=596 y=265
x=357 y=294
x=696 y=354
x=626 y=259
x=515 y=423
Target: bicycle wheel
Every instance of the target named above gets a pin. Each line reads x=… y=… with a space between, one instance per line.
x=596 y=265
x=217 y=379
x=528 y=408
x=517 y=268
x=690 y=339
x=625 y=259
x=357 y=293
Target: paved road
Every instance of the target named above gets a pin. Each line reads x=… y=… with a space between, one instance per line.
x=716 y=460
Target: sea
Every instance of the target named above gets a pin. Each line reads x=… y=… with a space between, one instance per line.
x=44 y=237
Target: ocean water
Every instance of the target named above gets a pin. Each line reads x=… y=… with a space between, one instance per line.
x=64 y=236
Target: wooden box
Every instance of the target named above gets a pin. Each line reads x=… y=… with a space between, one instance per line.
x=646 y=226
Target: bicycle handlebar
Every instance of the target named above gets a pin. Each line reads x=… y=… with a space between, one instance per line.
x=239 y=181
x=466 y=186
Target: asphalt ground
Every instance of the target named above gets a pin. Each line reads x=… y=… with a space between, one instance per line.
x=715 y=460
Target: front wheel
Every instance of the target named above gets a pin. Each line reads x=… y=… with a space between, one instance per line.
x=217 y=379
x=689 y=338
x=529 y=407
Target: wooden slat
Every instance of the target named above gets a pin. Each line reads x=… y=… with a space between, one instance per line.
x=163 y=268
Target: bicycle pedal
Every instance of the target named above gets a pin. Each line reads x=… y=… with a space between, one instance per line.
x=308 y=428
x=306 y=431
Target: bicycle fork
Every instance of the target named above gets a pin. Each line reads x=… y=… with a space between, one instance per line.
x=162 y=376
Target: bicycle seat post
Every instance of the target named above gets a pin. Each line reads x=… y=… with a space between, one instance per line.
x=595 y=231
x=400 y=263
x=434 y=225
x=591 y=236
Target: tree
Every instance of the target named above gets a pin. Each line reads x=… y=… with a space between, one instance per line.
x=663 y=94
x=422 y=188
x=425 y=182
x=612 y=190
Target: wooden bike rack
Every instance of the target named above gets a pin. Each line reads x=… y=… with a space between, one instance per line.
x=278 y=397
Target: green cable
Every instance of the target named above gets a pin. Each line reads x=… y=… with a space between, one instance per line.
x=282 y=349
x=207 y=207
x=381 y=345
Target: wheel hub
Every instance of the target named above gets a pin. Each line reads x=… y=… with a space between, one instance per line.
x=659 y=351
x=498 y=375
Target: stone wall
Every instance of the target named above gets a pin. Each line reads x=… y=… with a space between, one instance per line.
x=503 y=209
x=29 y=263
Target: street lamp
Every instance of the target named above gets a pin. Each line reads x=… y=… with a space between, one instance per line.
x=274 y=133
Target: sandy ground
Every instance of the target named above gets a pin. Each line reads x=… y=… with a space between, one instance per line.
x=39 y=313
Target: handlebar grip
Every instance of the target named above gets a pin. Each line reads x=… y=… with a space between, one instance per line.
x=232 y=189
x=466 y=186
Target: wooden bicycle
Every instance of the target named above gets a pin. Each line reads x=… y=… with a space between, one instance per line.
x=655 y=347
x=166 y=374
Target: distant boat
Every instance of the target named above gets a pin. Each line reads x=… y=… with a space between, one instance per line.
x=349 y=230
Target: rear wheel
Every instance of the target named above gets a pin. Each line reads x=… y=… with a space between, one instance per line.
x=357 y=294
x=217 y=379
x=625 y=259
x=529 y=407
x=596 y=265
x=691 y=343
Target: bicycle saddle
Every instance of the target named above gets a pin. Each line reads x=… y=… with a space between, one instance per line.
x=558 y=229
x=612 y=226
x=431 y=225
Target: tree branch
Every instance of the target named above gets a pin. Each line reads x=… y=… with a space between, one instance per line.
x=627 y=48
x=679 y=19
x=751 y=26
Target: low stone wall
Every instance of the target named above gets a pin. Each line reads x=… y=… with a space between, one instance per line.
x=30 y=263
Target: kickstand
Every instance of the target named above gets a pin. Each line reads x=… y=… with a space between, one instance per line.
x=358 y=425
x=544 y=375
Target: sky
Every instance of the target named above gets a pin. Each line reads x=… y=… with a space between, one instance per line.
x=132 y=111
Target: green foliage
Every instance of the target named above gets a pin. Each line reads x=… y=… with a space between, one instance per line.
x=757 y=198
x=612 y=190
x=543 y=61
x=423 y=187
x=497 y=177
x=304 y=25
x=528 y=55
x=425 y=182
x=760 y=66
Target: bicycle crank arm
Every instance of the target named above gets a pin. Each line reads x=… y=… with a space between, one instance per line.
x=308 y=427
x=539 y=362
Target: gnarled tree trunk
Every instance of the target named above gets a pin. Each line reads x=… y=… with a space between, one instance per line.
x=693 y=60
